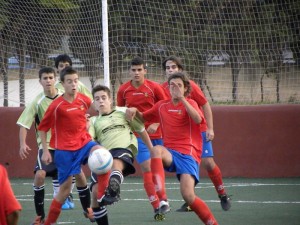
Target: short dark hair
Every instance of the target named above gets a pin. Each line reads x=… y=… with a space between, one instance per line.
x=101 y=88
x=186 y=82
x=67 y=71
x=46 y=70
x=175 y=59
x=137 y=61
x=62 y=58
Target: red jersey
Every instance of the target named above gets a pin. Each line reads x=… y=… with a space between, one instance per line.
x=179 y=131
x=8 y=201
x=142 y=98
x=196 y=94
x=67 y=122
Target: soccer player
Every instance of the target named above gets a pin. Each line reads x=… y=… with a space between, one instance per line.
x=61 y=62
x=172 y=65
x=180 y=119
x=9 y=206
x=34 y=112
x=142 y=93
x=114 y=132
x=66 y=117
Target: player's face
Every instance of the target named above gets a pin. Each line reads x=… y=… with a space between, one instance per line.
x=102 y=102
x=177 y=88
x=61 y=66
x=48 y=81
x=171 y=67
x=137 y=73
x=70 y=84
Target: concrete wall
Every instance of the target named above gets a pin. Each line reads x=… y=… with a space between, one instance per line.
x=250 y=141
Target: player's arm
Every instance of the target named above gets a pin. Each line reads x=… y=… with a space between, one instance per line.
x=24 y=148
x=134 y=112
x=194 y=114
x=209 y=120
x=152 y=128
x=146 y=139
x=13 y=218
x=46 y=157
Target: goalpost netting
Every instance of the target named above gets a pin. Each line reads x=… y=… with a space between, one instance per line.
x=238 y=51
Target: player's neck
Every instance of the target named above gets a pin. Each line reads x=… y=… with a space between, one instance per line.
x=175 y=101
x=69 y=97
x=137 y=84
x=51 y=93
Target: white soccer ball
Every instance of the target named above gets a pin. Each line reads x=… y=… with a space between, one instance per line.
x=100 y=161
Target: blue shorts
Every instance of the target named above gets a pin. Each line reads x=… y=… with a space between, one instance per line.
x=143 y=152
x=183 y=164
x=207 y=149
x=69 y=163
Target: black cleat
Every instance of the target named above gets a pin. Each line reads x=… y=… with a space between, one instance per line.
x=225 y=202
x=184 y=208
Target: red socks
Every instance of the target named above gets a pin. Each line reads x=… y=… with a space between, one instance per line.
x=102 y=184
x=158 y=176
x=54 y=211
x=150 y=189
x=203 y=212
x=216 y=177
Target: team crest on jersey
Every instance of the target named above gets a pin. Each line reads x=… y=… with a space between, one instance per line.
x=146 y=94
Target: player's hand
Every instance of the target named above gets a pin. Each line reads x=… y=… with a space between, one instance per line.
x=46 y=157
x=152 y=128
x=175 y=91
x=24 y=151
x=210 y=134
x=130 y=113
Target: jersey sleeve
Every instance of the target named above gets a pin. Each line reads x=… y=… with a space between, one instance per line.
x=196 y=106
x=28 y=115
x=152 y=114
x=160 y=93
x=47 y=120
x=137 y=125
x=84 y=90
x=120 y=99
x=197 y=94
x=92 y=131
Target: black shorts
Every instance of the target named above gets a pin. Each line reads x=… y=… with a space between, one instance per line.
x=126 y=156
x=50 y=169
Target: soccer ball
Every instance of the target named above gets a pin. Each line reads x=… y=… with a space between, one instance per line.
x=100 y=161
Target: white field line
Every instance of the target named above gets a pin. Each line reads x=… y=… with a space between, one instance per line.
x=29 y=197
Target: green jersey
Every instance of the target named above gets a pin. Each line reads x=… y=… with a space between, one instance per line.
x=114 y=131
x=81 y=88
x=34 y=112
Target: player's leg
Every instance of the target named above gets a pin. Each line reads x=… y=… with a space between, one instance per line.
x=160 y=156
x=188 y=169
x=122 y=167
x=187 y=184
x=55 y=207
x=69 y=203
x=39 y=195
x=143 y=159
x=41 y=171
x=214 y=172
x=65 y=160
x=83 y=192
x=99 y=213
